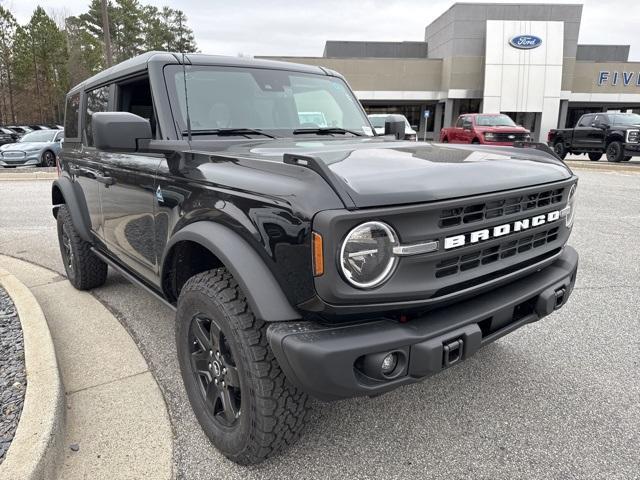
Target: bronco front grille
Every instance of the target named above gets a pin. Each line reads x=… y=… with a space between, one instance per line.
x=479 y=212
x=468 y=261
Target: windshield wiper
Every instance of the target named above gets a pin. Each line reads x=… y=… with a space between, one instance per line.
x=229 y=132
x=325 y=131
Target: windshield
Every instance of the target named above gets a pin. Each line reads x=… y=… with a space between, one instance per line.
x=39 y=136
x=626 y=119
x=494 y=121
x=273 y=101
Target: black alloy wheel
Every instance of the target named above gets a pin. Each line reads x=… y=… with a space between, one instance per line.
x=615 y=152
x=214 y=366
x=48 y=159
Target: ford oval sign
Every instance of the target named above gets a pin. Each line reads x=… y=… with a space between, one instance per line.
x=525 y=42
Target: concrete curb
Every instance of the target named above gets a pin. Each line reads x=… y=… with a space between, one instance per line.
x=38 y=442
x=28 y=176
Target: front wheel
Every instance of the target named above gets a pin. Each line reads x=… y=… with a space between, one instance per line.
x=615 y=152
x=239 y=394
x=560 y=150
x=595 y=156
x=48 y=159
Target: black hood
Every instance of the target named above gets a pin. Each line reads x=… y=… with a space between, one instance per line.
x=377 y=172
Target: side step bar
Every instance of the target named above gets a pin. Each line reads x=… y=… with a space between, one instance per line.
x=131 y=278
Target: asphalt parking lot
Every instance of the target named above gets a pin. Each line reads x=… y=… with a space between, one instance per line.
x=556 y=399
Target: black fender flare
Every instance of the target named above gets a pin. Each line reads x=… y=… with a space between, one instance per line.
x=266 y=299
x=64 y=191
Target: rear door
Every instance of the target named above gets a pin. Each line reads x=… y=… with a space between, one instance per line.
x=81 y=162
x=582 y=131
x=128 y=193
x=456 y=132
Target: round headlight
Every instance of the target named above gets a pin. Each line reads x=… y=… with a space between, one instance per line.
x=571 y=204
x=366 y=256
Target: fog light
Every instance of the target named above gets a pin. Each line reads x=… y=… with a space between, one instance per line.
x=389 y=364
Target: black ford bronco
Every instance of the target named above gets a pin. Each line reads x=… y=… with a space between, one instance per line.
x=617 y=135
x=304 y=255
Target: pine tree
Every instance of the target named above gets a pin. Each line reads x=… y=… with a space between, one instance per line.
x=8 y=27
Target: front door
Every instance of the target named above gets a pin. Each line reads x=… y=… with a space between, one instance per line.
x=127 y=192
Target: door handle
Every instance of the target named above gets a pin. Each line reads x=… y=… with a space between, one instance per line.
x=105 y=180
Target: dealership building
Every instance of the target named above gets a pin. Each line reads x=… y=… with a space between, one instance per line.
x=520 y=59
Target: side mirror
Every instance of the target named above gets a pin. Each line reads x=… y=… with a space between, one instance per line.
x=119 y=131
x=394 y=125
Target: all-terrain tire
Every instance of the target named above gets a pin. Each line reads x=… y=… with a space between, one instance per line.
x=84 y=270
x=615 y=151
x=271 y=411
x=560 y=150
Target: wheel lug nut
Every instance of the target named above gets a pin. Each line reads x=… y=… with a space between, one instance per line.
x=222 y=383
x=211 y=353
x=224 y=370
x=209 y=366
x=215 y=380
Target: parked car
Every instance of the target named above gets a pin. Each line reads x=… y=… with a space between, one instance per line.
x=378 y=120
x=616 y=134
x=39 y=147
x=485 y=128
x=301 y=261
x=7 y=136
x=20 y=129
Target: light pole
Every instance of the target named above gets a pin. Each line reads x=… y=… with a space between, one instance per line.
x=107 y=34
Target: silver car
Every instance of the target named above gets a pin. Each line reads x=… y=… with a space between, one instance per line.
x=39 y=147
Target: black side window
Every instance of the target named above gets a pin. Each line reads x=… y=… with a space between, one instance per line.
x=71 y=115
x=135 y=97
x=585 y=121
x=97 y=101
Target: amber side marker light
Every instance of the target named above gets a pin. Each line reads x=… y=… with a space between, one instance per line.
x=318 y=256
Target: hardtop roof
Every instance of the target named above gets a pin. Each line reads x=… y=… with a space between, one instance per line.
x=140 y=64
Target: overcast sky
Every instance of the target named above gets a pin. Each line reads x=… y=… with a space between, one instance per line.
x=300 y=28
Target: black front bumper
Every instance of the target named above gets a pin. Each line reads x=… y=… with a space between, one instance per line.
x=327 y=361
x=632 y=149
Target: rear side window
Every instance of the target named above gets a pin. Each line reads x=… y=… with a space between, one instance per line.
x=71 y=115
x=97 y=101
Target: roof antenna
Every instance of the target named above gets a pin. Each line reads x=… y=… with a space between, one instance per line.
x=186 y=98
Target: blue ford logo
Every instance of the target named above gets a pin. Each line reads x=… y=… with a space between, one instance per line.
x=525 y=42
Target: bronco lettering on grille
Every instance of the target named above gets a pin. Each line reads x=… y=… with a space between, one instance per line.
x=500 y=230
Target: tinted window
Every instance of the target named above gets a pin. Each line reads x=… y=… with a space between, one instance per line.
x=585 y=121
x=601 y=119
x=626 y=119
x=460 y=122
x=97 y=101
x=71 y=114
x=59 y=136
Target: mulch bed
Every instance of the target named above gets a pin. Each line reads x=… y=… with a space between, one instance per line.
x=13 y=377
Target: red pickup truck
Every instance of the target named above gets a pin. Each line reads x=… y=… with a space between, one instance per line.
x=485 y=128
